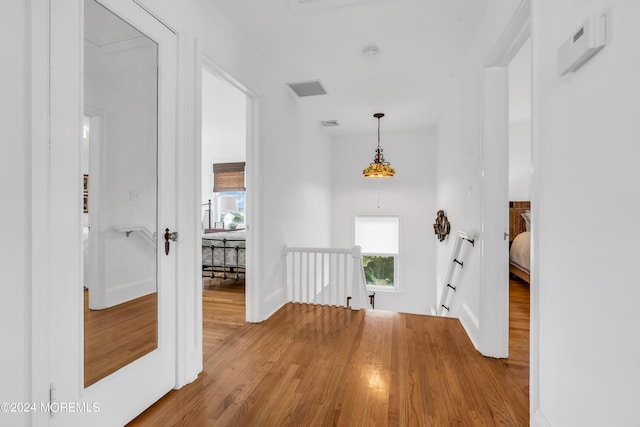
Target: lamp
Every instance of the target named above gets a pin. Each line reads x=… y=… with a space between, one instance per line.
x=227 y=204
x=379 y=168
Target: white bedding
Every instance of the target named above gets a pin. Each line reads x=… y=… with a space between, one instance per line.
x=520 y=253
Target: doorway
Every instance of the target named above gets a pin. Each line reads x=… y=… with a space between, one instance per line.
x=494 y=317
x=225 y=206
x=520 y=172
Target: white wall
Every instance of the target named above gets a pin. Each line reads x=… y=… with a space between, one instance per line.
x=15 y=192
x=409 y=194
x=224 y=128
x=520 y=171
x=294 y=203
x=459 y=163
x=586 y=129
x=119 y=82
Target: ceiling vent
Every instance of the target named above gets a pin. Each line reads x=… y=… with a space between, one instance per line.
x=299 y=4
x=308 y=88
x=329 y=123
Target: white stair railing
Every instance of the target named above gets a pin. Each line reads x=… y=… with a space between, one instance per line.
x=325 y=276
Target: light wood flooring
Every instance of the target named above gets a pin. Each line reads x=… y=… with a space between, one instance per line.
x=223 y=312
x=116 y=336
x=319 y=366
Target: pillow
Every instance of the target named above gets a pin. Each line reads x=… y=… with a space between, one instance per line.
x=527 y=220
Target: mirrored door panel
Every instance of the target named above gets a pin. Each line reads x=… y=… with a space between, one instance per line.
x=120 y=193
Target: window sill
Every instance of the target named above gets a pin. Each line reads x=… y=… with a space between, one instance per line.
x=383 y=290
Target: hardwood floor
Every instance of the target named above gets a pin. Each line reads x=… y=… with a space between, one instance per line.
x=116 y=336
x=519 y=310
x=223 y=312
x=317 y=366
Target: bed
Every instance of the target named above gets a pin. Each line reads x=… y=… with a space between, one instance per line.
x=520 y=236
x=224 y=254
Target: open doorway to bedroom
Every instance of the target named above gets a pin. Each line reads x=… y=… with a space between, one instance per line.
x=520 y=180
x=224 y=208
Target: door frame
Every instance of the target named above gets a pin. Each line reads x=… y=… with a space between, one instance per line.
x=40 y=203
x=494 y=299
x=97 y=120
x=253 y=179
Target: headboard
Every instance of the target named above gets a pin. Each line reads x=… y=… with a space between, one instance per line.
x=516 y=222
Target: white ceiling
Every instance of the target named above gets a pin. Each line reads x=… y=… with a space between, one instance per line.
x=421 y=44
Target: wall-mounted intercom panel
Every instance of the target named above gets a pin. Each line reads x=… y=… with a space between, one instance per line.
x=583 y=43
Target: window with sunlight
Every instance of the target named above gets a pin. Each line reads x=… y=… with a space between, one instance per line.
x=378 y=238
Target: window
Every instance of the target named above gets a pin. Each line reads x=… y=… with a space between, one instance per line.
x=229 y=187
x=232 y=215
x=378 y=238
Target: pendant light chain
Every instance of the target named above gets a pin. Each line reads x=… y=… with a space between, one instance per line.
x=378 y=133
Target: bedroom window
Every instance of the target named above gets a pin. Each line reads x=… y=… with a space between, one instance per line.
x=229 y=188
x=232 y=215
x=378 y=238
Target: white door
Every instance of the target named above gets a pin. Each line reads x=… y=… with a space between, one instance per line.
x=101 y=64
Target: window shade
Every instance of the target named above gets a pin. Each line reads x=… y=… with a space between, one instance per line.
x=377 y=234
x=228 y=177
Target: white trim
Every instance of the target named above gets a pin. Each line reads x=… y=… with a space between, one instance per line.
x=470 y=324
x=494 y=270
x=292 y=249
x=470 y=315
x=129 y=291
x=534 y=286
x=38 y=11
x=97 y=205
x=517 y=33
x=189 y=297
x=538 y=419
x=254 y=208
x=494 y=302
x=253 y=195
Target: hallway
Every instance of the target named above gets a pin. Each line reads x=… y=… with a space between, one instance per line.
x=313 y=365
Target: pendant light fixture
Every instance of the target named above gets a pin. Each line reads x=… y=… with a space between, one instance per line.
x=379 y=168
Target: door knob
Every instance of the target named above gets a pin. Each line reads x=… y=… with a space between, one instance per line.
x=168 y=237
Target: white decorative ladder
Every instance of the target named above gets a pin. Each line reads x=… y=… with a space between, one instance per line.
x=455 y=263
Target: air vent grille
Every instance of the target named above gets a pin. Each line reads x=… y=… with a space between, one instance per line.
x=298 y=4
x=312 y=88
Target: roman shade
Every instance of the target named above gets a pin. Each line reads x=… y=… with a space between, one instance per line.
x=228 y=177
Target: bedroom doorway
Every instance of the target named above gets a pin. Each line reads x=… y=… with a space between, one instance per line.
x=520 y=173
x=225 y=204
x=494 y=300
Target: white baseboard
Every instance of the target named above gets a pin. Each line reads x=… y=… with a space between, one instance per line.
x=538 y=419
x=130 y=291
x=471 y=325
x=274 y=302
